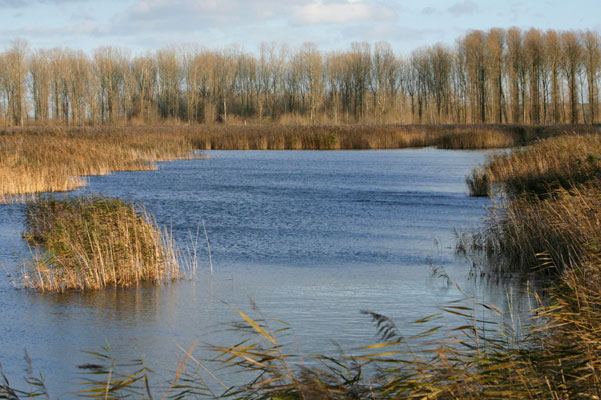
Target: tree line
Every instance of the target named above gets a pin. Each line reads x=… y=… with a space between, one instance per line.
x=495 y=76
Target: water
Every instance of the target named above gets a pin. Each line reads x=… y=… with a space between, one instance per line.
x=311 y=237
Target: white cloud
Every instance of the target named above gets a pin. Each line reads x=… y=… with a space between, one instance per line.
x=36 y=31
x=27 y=3
x=321 y=12
x=464 y=7
x=194 y=15
x=429 y=11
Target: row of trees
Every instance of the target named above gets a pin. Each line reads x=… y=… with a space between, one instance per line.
x=498 y=76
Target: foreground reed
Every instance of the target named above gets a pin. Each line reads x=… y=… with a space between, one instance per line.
x=483 y=358
x=92 y=243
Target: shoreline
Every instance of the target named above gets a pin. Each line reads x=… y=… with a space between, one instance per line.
x=57 y=159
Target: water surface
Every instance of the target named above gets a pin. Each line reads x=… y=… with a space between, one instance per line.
x=312 y=237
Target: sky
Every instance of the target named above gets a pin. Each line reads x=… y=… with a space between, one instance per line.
x=143 y=25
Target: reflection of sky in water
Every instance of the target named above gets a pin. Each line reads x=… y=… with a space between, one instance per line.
x=311 y=237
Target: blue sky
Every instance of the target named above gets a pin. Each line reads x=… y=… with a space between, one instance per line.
x=332 y=24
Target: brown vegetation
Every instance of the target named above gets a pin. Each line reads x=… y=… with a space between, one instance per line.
x=346 y=137
x=93 y=243
x=52 y=159
x=550 y=218
x=559 y=162
x=552 y=235
x=499 y=76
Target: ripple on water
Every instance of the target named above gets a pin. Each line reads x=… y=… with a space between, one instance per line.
x=312 y=237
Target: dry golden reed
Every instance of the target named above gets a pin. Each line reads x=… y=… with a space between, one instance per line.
x=89 y=243
x=558 y=162
x=365 y=136
x=54 y=159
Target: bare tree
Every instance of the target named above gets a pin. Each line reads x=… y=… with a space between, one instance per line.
x=477 y=72
x=534 y=51
x=359 y=65
x=554 y=56
x=572 y=66
x=109 y=67
x=495 y=48
x=13 y=80
x=386 y=78
x=441 y=64
x=169 y=83
x=40 y=84
x=592 y=63
x=312 y=77
x=517 y=73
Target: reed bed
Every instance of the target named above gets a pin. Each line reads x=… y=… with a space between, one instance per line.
x=348 y=137
x=550 y=215
x=56 y=159
x=362 y=136
x=559 y=162
x=89 y=243
x=561 y=231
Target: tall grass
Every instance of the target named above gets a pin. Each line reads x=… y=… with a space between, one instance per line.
x=561 y=231
x=92 y=243
x=559 y=162
x=53 y=159
x=551 y=214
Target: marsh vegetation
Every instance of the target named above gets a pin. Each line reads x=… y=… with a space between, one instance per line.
x=90 y=243
x=56 y=159
x=549 y=219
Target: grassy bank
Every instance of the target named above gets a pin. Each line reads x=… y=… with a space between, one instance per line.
x=561 y=162
x=87 y=244
x=551 y=216
x=54 y=159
